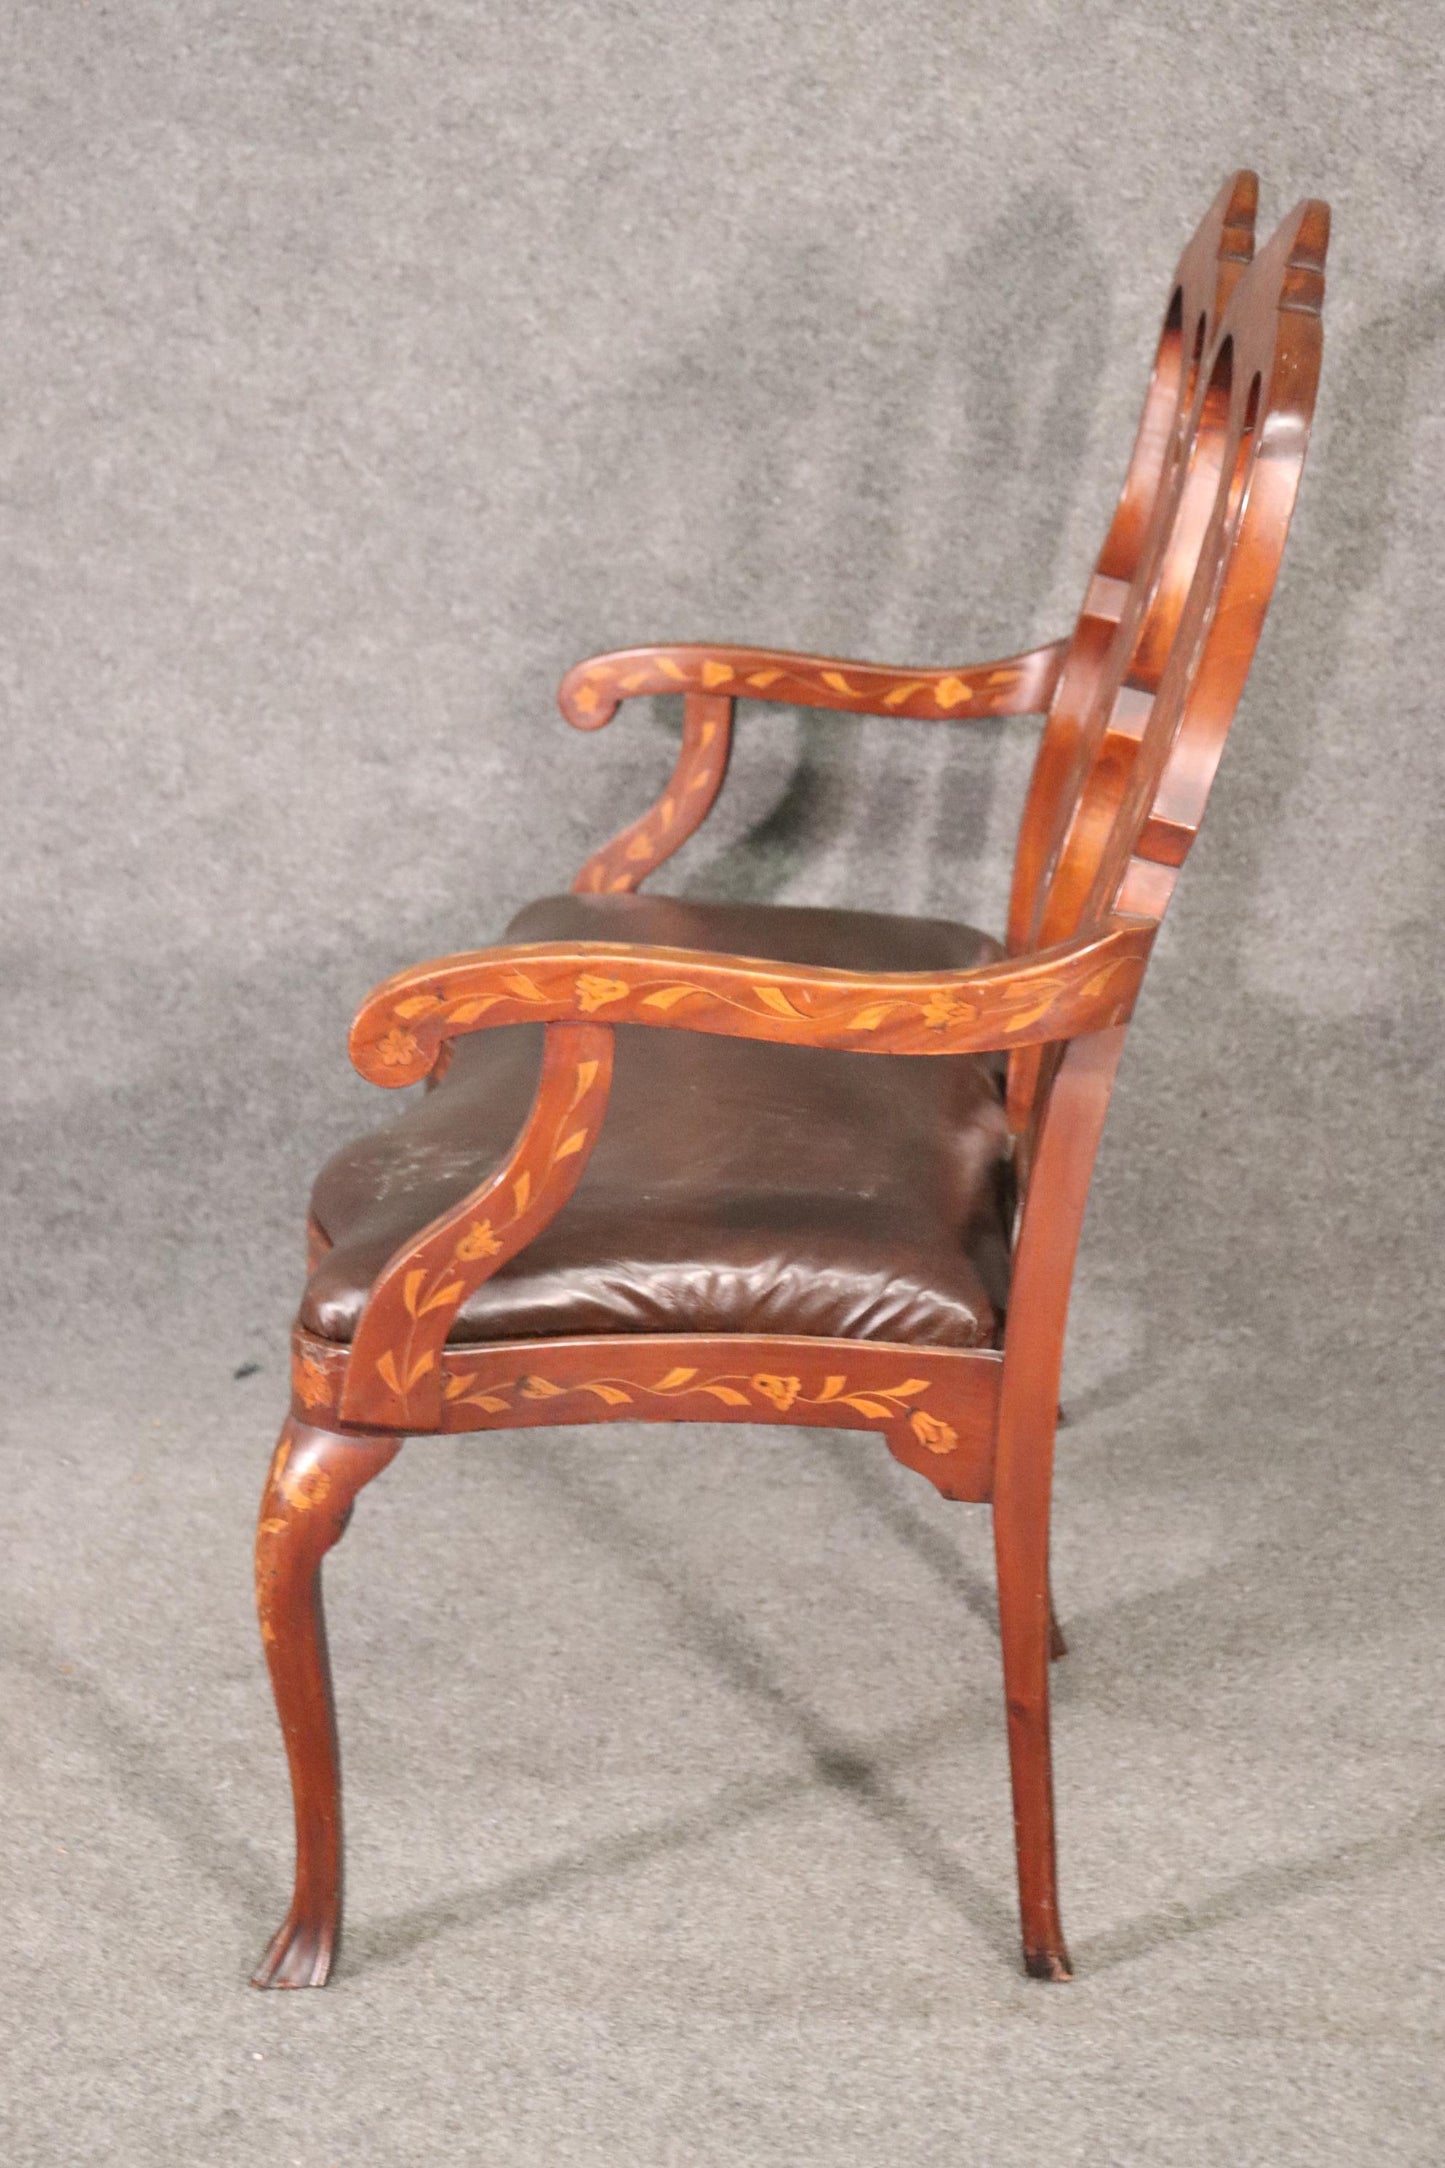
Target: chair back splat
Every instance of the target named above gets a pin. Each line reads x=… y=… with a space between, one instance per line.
x=724 y=1213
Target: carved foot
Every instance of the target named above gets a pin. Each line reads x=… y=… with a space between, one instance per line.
x=1048 y=1964
x=299 y=1955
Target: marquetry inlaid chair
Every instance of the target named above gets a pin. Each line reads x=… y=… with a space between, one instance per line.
x=757 y=1203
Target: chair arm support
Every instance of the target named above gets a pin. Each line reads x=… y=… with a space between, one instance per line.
x=590 y=693
x=393 y=1379
x=1081 y=985
x=702 y=766
x=579 y=991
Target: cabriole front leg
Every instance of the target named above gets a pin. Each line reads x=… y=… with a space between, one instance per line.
x=314 y=1478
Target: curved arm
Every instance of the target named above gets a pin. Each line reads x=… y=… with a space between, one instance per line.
x=1081 y=985
x=590 y=693
x=712 y=678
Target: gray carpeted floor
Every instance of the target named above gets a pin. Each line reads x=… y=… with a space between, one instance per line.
x=365 y=366
x=679 y=1826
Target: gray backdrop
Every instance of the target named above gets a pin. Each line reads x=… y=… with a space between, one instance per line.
x=365 y=366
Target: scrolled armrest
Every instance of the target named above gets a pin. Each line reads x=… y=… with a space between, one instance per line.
x=1081 y=985
x=590 y=693
x=711 y=679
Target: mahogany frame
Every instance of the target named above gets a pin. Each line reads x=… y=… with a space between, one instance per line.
x=1139 y=700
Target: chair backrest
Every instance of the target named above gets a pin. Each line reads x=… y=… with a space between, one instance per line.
x=1221 y=538
x=1204 y=279
x=1162 y=698
x=1167 y=690
x=1122 y=785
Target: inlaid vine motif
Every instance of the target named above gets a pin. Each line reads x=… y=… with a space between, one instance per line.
x=762 y=1395
x=766 y=1394
x=1015 y=685
x=1084 y=985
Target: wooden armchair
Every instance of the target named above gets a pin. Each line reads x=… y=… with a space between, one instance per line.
x=723 y=1213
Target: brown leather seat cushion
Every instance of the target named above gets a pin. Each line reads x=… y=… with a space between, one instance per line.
x=736 y=1187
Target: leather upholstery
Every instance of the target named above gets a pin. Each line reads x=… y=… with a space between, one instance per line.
x=736 y=1186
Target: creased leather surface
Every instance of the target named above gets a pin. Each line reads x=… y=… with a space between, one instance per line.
x=736 y=1187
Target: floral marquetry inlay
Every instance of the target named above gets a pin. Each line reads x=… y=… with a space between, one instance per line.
x=764 y=1393
x=1015 y=685
x=713 y=678
x=1082 y=985
x=934 y=1407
